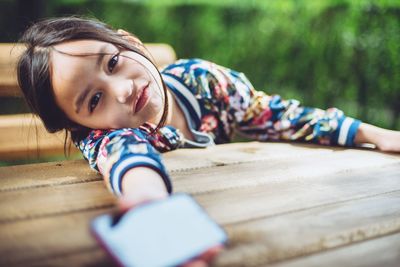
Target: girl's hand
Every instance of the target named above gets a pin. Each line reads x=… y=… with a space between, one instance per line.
x=127 y=202
x=204 y=259
x=141 y=185
x=385 y=140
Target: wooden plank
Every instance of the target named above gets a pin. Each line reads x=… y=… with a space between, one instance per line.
x=280 y=170
x=24 y=136
x=237 y=153
x=265 y=199
x=83 y=257
x=296 y=234
x=189 y=159
x=54 y=200
x=280 y=237
x=28 y=241
x=8 y=79
x=276 y=197
x=252 y=181
x=383 y=251
x=21 y=177
x=9 y=52
x=163 y=54
x=64 y=172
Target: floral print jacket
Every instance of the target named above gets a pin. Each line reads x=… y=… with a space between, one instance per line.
x=217 y=102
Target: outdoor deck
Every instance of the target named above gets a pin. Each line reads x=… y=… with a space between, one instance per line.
x=281 y=204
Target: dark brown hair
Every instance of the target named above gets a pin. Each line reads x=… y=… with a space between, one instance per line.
x=33 y=67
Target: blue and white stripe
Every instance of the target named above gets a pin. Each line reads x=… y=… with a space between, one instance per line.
x=131 y=161
x=347 y=131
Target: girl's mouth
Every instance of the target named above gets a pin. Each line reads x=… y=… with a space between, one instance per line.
x=143 y=98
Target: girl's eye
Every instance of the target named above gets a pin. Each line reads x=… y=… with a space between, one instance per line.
x=112 y=63
x=94 y=101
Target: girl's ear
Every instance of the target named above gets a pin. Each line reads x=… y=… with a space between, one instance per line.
x=128 y=36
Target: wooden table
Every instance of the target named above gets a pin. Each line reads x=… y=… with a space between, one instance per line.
x=281 y=205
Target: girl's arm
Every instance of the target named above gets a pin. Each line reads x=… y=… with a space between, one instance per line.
x=231 y=100
x=383 y=139
x=116 y=153
x=141 y=185
x=133 y=169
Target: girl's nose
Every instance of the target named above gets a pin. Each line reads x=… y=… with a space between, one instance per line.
x=124 y=92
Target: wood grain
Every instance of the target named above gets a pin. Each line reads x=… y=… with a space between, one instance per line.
x=312 y=230
x=22 y=177
x=260 y=241
x=181 y=160
x=247 y=181
x=279 y=203
x=32 y=240
x=23 y=136
x=382 y=251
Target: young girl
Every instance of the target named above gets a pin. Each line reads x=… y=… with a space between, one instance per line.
x=102 y=86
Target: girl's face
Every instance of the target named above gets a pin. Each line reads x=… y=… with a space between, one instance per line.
x=106 y=88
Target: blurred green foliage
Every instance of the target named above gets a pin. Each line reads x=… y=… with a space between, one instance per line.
x=325 y=53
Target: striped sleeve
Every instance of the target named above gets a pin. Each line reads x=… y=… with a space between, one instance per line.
x=347 y=131
x=114 y=152
x=273 y=118
x=230 y=103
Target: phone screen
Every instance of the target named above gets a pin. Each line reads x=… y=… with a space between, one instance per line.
x=162 y=233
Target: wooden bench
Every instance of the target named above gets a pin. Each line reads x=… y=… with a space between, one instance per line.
x=282 y=205
x=23 y=136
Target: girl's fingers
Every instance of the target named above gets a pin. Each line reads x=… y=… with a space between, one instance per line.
x=195 y=263
x=126 y=203
x=210 y=254
x=205 y=258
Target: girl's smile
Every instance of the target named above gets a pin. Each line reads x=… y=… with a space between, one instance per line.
x=143 y=97
x=100 y=87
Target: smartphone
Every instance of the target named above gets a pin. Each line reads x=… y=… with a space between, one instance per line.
x=166 y=232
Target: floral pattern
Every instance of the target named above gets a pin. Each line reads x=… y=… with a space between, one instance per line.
x=228 y=104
